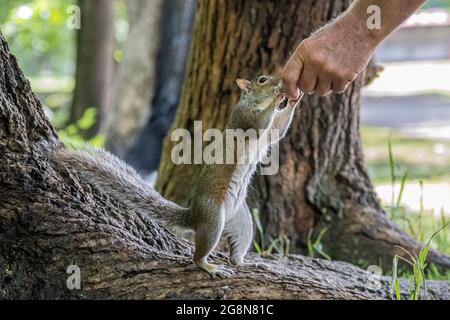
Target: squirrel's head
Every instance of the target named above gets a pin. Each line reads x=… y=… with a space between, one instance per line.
x=259 y=100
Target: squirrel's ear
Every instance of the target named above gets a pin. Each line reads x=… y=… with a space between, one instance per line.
x=243 y=84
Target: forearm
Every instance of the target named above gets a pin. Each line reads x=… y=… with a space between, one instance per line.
x=393 y=14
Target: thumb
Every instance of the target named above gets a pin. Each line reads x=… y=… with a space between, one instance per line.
x=290 y=75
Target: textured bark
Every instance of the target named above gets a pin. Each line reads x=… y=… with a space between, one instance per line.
x=136 y=76
x=50 y=219
x=95 y=62
x=144 y=154
x=322 y=181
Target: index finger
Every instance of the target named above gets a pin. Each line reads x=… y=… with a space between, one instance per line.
x=290 y=75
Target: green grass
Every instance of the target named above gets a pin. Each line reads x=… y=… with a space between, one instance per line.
x=279 y=245
x=394 y=158
x=315 y=247
x=417 y=278
x=418 y=156
x=419 y=225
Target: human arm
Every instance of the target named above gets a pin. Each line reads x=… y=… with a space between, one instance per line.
x=332 y=57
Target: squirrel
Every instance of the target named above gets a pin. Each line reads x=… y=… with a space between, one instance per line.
x=217 y=205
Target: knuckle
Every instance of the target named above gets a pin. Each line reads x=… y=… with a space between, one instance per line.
x=304 y=45
x=303 y=87
x=297 y=58
x=350 y=76
x=339 y=75
x=328 y=72
x=341 y=89
x=318 y=61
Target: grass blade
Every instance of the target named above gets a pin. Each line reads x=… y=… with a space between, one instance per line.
x=402 y=188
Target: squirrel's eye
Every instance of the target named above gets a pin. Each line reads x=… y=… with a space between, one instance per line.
x=262 y=80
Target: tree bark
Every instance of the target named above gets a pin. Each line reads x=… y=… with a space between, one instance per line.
x=95 y=61
x=134 y=85
x=51 y=219
x=322 y=181
x=145 y=152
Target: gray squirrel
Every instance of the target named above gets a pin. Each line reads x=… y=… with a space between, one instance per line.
x=217 y=205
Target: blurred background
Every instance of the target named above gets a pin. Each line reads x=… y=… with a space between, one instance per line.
x=405 y=119
x=118 y=86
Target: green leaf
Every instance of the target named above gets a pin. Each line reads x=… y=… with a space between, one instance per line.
x=397 y=290
x=395 y=284
x=391 y=160
x=310 y=245
x=88 y=119
x=98 y=141
x=260 y=228
x=402 y=187
x=257 y=220
x=273 y=245
x=257 y=247
x=323 y=254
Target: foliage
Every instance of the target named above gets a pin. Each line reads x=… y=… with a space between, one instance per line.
x=417 y=279
x=280 y=244
x=316 y=245
x=37 y=33
x=71 y=134
x=393 y=167
x=416 y=223
x=7 y=6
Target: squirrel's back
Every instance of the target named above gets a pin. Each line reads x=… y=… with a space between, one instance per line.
x=116 y=179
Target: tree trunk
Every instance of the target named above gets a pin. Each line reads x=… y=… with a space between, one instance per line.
x=135 y=81
x=322 y=181
x=145 y=152
x=95 y=63
x=52 y=221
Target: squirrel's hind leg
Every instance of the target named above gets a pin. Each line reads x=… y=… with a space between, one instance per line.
x=239 y=231
x=206 y=238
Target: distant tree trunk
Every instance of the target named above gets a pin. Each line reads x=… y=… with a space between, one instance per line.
x=144 y=153
x=135 y=81
x=51 y=221
x=322 y=181
x=95 y=61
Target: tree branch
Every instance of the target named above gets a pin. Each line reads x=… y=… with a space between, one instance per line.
x=50 y=219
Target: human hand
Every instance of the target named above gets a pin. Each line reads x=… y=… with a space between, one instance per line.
x=329 y=60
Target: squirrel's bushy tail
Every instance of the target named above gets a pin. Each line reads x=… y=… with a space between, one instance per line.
x=104 y=171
